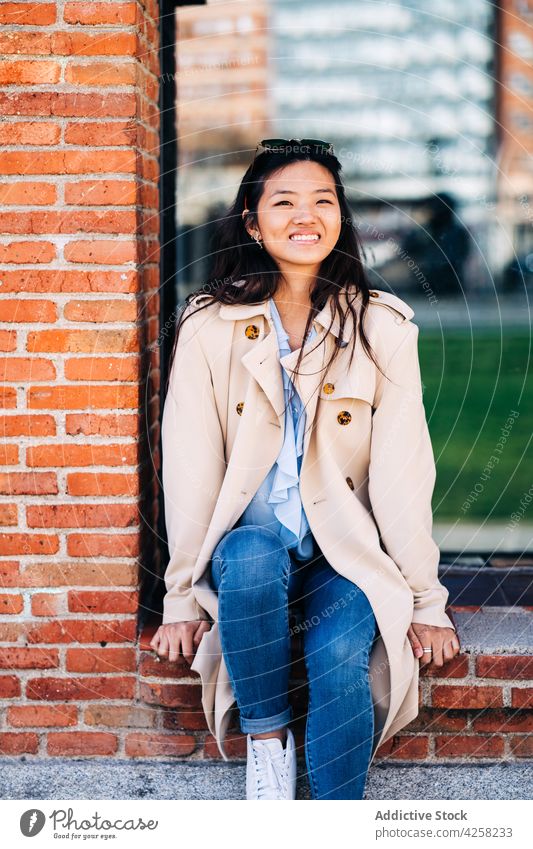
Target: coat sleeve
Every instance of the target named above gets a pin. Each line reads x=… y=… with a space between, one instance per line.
x=193 y=468
x=402 y=477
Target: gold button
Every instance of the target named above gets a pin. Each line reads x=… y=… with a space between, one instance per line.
x=328 y=388
x=374 y=294
x=252 y=331
x=344 y=417
x=349 y=481
x=240 y=407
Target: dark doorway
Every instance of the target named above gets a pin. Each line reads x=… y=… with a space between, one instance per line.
x=152 y=584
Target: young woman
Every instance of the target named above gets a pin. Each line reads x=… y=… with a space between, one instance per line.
x=298 y=474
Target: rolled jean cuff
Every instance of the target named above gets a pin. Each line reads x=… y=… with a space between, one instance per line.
x=269 y=723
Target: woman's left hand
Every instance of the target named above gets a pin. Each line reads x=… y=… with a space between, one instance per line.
x=443 y=642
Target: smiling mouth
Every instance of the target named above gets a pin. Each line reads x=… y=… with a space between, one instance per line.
x=307 y=239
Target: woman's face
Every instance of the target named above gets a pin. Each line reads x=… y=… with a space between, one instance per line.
x=299 y=199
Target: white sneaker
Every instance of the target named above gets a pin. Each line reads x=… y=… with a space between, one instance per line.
x=270 y=768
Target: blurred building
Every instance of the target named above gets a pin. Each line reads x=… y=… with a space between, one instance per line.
x=406 y=91
x=222 y=84
x=515 y=121
x=427 y=104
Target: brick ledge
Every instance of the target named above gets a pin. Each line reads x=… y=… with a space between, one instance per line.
x=478 y=708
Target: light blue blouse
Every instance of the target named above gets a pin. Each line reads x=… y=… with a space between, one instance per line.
x=277 y=503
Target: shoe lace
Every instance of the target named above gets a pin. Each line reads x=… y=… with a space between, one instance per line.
x=271 y=772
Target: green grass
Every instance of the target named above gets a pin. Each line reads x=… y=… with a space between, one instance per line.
x=472 y=385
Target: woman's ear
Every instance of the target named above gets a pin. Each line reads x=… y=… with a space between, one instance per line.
x=248 y=220
x=245 y=215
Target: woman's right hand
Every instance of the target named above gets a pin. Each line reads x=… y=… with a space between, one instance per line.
x=174 y=637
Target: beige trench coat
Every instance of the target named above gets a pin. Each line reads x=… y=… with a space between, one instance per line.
x=366 y=480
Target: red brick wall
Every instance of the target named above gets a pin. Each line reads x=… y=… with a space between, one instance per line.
x=78 y=319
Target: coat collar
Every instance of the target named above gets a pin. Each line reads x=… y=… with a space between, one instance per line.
x=236 y=312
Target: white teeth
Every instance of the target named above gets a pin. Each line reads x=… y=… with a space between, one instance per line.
x=310 y=238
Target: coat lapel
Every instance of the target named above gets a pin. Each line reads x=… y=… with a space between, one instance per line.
x=262 y=363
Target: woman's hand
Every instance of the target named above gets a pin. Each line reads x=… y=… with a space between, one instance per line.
x=169 y=639
x=443 y=642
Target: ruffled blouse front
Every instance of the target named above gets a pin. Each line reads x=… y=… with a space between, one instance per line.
x=277 y=503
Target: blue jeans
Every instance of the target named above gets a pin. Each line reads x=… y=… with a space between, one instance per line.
x=257 y=581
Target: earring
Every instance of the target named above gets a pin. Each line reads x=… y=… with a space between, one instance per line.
x=258 y=240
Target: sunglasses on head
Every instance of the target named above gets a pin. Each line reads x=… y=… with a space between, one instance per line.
x=287 y=145
x=281 y=145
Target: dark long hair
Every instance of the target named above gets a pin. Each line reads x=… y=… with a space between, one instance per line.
x=236 y=256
